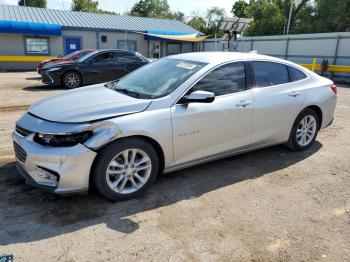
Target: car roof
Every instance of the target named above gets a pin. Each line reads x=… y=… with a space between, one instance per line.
x=114 y=50
x=221 y=57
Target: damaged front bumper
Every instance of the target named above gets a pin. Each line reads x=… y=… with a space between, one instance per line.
x=59 y=169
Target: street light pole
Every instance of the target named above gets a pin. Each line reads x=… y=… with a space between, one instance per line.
x=290 y=16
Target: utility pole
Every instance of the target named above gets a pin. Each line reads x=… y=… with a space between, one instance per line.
x=290 y=15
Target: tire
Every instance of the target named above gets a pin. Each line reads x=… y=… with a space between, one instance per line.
x=296 y=138
x=71 y=80
x=111 y=173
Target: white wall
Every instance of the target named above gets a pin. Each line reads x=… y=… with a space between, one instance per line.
x=302 y=48
x=113 y=37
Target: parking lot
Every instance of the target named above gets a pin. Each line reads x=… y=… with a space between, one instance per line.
x=269 y=205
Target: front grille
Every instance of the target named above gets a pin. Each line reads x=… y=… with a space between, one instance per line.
x=22 y=131
x=21 y=155
x=46 y=79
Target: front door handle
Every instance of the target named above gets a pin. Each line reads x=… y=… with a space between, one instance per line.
x=294 y=93
x=243 y=103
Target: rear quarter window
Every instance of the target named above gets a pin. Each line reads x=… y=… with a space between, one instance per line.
x=295 y=74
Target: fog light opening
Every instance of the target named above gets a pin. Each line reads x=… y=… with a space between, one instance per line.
x=48 y=174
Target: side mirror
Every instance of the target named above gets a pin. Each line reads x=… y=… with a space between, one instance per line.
x=198 y=97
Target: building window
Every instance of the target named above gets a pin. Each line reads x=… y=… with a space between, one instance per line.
x=130 y=45
x=173 y=48
x=37 y=45
x=104 y=38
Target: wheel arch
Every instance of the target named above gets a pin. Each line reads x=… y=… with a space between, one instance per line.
x=318 y=111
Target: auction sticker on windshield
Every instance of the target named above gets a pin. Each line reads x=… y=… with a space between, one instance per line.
x=186 y=66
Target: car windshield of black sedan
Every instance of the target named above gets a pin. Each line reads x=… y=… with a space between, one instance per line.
x=158 y=79
x=87 y=56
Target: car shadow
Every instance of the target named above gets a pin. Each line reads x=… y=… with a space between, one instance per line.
x=29 y=214
x=34 y=78
x=42 y=88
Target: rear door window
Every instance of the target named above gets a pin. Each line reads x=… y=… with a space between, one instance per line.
x=270 y=73
x=295 y=74
x=127 y=57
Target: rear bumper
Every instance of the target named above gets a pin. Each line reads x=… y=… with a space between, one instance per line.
x=70 y=165
x=328 y=109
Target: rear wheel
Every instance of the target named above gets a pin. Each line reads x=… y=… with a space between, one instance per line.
x=71 y=80
x=304 y=130
x=125 y=169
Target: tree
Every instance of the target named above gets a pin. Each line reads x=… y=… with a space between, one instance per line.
x=33 y=3
x=178 y=15
x=214 y=17
x=270 y=16
x=88 y=6
x=151 y=8
x=84 y=5
x=197 y=22
x=332 y=16
x=239 y=9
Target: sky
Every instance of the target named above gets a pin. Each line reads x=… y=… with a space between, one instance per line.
x=120 y=6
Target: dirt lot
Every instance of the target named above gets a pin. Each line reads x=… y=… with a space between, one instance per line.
x=268 y=205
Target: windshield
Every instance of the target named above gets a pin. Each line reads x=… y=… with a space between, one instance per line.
x=87 y=56
x=71 y=54
x=158 y=79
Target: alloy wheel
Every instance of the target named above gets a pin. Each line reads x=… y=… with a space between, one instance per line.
x=128 y=171
x=72 y=80
x=306 y=130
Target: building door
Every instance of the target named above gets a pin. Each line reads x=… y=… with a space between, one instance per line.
x=154 y=49
x=71 y=44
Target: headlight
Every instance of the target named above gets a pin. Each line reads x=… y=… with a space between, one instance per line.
x=54 y=69
x=62 y=140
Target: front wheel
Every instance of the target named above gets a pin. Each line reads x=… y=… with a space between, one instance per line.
x=304 y=130
x=71 y=80
x=125 y=169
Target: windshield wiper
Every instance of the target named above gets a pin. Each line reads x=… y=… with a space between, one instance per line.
x=111 y=84
x=128 y=92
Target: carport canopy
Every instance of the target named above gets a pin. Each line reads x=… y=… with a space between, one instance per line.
x=29 y=28
x=173 y=36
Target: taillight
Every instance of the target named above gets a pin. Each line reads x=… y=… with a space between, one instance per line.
x=334 y=88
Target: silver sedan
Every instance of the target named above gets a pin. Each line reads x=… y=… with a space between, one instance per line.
x=176 y=112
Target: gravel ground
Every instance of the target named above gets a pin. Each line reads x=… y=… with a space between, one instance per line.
x=17 y=92
x=268 y=205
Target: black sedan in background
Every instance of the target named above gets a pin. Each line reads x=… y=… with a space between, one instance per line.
x=97 y=67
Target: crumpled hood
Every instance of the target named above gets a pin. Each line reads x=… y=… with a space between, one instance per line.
x=87 y=104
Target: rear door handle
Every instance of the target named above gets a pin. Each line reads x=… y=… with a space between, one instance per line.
x=244 y=103
x=294 y=93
